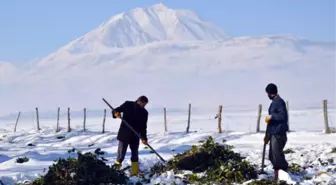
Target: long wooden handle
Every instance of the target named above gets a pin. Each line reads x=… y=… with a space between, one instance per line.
x=263 y=158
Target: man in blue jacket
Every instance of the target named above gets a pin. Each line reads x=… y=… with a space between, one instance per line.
x=276 y=131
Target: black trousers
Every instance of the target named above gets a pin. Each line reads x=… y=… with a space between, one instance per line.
x=122 y=149
x=276 y=154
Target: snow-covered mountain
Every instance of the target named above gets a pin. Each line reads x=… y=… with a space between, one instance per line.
x=174 y=57
x=140 y=26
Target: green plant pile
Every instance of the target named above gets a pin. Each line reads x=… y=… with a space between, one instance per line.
x=333 y=150
x=87 y=169
x=296 y=169
x=22 y=160
x=267 y=182
x=219 y=163
x=288 y=151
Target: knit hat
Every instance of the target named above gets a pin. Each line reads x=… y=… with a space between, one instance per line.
x=271 y=89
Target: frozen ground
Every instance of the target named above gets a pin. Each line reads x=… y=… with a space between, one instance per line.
x=309 y=143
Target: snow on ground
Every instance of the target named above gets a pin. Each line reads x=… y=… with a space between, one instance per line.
x=310 y=145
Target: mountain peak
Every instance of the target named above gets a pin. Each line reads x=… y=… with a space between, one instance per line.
x=160 y=6
x=141 y=26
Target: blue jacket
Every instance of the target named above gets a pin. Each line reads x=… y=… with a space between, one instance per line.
x=279 y=120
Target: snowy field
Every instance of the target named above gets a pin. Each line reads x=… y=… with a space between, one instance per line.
x=307 y=140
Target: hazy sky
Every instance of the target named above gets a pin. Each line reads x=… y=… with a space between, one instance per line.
x=33 y=29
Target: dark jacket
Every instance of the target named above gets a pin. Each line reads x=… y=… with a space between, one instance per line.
x=279 y=119
x=136 y=117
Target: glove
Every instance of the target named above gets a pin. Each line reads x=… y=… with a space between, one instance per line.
x=266 y=139
x=268 y=119
x=144 y=141
x=116 y=114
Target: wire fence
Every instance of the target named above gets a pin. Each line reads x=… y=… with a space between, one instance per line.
x=310 y=117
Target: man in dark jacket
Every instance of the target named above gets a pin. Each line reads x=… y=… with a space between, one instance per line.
x=276 y=131
x=135 y=114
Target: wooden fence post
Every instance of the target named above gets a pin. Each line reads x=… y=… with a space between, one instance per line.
x=287 y=108
x=189 y=111
x=37 y=119
x=220 y=118
x=259 y=117
x=57 y=124
x=17 y=120
x=84 y=120
x=165 y=118
x=104 y=120
x=325 y=111
x=69 y=128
